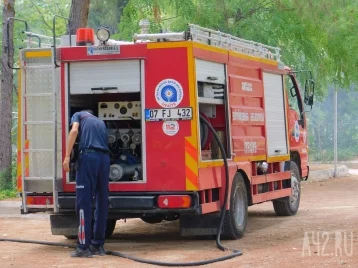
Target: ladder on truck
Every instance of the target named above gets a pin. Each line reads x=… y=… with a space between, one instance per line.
x=213 y=38
x=39 y=127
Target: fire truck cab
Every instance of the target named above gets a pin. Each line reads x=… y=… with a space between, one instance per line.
x=153 y=94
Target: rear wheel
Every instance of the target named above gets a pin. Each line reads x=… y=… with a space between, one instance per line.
x=111 y=225
x=152 y=219
x=70 y=237
x=288 y=206
x=236 y=217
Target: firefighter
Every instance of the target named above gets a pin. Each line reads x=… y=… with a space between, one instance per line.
x=92 y=179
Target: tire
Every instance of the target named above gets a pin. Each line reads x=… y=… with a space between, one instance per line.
x=71 y=237
x=288 y=206
x=151 y=220
x=236 y=217
x=111 y=224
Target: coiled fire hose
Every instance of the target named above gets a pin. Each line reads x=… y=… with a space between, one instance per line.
x=234 y=253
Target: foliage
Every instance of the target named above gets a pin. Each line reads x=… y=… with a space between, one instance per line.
x=328 y=155
x=39 y=15
x=5 y=184
x=321 y=127
x=6 y=89
x=106 y=13
x=4 y=194
x=314 y=35
x=8 y=189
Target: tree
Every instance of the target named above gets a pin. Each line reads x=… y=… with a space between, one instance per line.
x=78 y=15
x=39 y=14
x=6 y=96
x=106 y=13
x=314 y=35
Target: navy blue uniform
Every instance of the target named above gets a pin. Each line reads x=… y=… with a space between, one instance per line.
x=92 y=179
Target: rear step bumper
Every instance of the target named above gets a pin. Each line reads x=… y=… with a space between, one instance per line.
x=136 y=204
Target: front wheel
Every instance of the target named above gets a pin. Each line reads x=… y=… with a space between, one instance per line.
x=288 y=206
x=236 y=217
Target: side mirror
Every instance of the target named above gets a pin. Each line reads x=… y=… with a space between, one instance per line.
x=309 y=92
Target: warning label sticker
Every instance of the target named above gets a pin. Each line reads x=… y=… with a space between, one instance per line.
x=102 y=50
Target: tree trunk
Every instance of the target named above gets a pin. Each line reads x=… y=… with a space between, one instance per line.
x=6 y=97
x=121 y=4
x=79 y=14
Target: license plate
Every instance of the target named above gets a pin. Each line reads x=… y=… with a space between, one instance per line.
x=168 y=114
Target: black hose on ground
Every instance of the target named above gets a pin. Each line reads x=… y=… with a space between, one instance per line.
x=235 y=253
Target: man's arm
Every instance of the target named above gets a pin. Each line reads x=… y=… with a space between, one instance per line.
x=71 y=141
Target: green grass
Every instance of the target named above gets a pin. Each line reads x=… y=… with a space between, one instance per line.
x=4 y=194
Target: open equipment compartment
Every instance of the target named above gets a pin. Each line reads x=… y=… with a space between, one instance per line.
x=114 y=95
x=213 y=105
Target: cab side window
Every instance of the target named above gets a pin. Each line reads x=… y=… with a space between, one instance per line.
x=294 y=101
x=292 y=94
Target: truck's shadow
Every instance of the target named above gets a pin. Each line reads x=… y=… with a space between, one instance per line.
x=169 y=231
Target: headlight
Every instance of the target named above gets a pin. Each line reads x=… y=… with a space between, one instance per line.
x=103 y=34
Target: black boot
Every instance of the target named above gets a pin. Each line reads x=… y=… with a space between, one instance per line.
x=97 y=250
x=85 y=253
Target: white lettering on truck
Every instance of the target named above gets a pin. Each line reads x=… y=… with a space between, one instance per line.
x=257 y=117
x=240 y=116
x=245 y=116
x=250 y=147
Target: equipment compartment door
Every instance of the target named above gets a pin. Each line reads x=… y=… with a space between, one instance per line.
x=275 y=115
x=105 y=77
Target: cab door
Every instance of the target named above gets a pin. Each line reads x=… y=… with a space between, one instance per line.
x=298 y=135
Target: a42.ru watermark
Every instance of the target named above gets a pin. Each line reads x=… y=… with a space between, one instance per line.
x=336 y=243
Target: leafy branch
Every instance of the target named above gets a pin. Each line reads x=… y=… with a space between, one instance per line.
x=41 y=14
x=263 y=6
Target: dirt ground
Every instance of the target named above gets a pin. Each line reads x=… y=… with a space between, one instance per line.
x=324 y=233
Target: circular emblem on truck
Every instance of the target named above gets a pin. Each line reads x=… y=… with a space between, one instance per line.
x=297 y=131
x=170 y=127
x=169 y=93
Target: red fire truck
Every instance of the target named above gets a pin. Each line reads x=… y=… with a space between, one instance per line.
x=151 y=93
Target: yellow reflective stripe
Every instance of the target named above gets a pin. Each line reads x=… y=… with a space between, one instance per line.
x=37 y=54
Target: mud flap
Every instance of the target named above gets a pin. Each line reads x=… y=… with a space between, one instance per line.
x=199 y=225
x=66 y=225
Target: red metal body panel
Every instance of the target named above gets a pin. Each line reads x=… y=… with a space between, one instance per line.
x=167 y=167
x=214 y=177
x=210 y=207
x=248 y=137
x=247 y=110
x=215 y=56
x=298 y=143
x=250 y=62
x=165 y=154
x=259 y=198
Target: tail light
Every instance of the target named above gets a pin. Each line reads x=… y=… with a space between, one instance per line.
x=174 y=201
